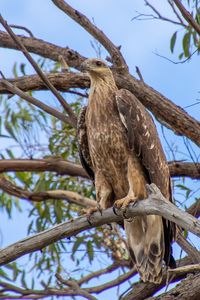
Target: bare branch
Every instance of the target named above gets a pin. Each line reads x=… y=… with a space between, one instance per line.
x=62 y=81
x=63 y=167
x=62 y=101
x=14 y=90
x=166 y=112
x=155 y=204
x=188 y=289
x=43 y=48
x=178 y=168
x=70 y=196
x=58 y=165
x=187 y=16
x=81 y=19
x=186 y=269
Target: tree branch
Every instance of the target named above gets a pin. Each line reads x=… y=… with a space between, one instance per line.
x=155 y=204
x=63 y=167
x=62 y=81
x=187 y=289
x=58 y=165
x=10 y=188
x=141 y=290
x=187 y=16
x=81 y=19
x=38 y=70
x=44 y=49
x=166 y=112
x=53 y=112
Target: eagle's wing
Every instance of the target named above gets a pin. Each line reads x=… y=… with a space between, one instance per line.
x=144 y=141
x=83 y=144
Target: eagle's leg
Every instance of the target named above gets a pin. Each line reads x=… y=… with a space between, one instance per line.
x=103 y=196
x=104 y=192
x=136 y=185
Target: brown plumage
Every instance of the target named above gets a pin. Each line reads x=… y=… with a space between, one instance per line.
x=121 y=151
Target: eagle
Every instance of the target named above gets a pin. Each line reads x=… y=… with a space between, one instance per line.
x=121 y=152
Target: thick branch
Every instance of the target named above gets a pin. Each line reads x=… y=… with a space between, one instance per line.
x=81 y=19
x=178 y=169
x=188 y=289
x=62 y=81
x=166 y=112
x=62 y=167
x=43 y=48
x=157 y=205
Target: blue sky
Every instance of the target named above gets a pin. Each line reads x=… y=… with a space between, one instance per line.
x=139 y=40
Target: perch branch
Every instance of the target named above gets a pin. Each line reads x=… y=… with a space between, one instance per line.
x=155 y=204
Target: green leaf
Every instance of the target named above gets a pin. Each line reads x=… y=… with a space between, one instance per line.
x=90 y=251
x=173 y=41
x=186 y=44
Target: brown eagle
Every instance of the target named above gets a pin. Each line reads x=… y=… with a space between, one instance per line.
x=121 y=151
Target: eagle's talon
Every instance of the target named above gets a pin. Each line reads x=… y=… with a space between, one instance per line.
x=114 y=210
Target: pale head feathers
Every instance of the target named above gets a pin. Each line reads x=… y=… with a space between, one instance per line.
x=99 y=72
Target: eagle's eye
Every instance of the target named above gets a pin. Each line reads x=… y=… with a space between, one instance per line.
x=98 y=63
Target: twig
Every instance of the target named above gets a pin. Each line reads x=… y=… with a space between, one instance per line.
x=81 y=19
x=187 y=16
x=139 y=73
x=72 y=117
x=14 y=90
x=23 y=28
x=186 y=269
x=155 y=204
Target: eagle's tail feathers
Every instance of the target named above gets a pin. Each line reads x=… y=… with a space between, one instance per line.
x=146 y=243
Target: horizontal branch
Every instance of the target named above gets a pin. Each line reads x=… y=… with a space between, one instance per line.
x=61 y=81
x=167 y=113
x=72 y=197
x=62 y=167
x=44 y=49
x=155 y=204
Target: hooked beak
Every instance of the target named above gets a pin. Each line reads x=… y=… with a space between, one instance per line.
x=84 y=67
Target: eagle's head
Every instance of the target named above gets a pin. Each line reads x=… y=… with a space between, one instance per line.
x=96 y=68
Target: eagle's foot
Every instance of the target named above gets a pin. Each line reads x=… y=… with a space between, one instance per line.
x=123 y=204
x=89 y=211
